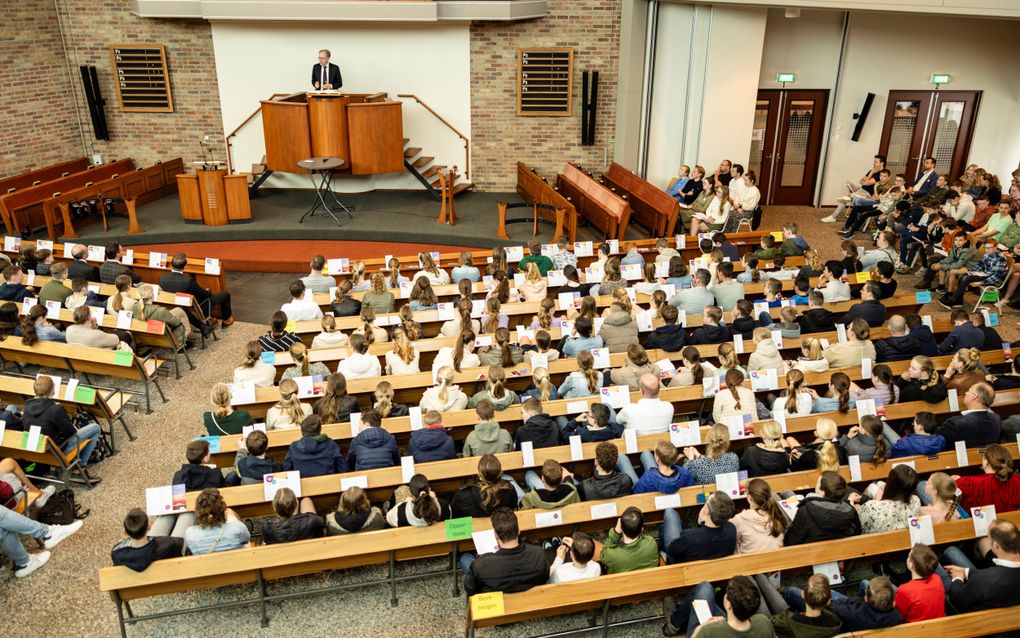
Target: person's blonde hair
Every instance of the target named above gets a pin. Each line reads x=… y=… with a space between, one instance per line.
x=394 y=279
x=970 y=359
x=444 y=376
x=252 y=354
x=761 y=334
x=289 y=402
x=544 y=316
x=328 y=324
x=586 y=365
x=402 y=346
x=828 y=455
x=540 y=376
x=494 y=384
x=945 y=489
x=219 y=396
x=427 y=265
x=123 y=285
x=383 y=396
x=811 y=348
x=465 y=259
x=772 y=434
x=813 y=259
x=492 y=307
x=378 y=283
x=368 y=323
x=717 y=442
x=728 y=356
x=533 y=274
x=299 y=353
x=621 y=297
x=927 y=367
x=794 y=383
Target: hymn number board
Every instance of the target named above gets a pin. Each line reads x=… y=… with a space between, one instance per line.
x=143 y=83
x=544 y=81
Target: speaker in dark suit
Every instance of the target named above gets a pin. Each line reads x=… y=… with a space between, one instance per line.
x=325 y=74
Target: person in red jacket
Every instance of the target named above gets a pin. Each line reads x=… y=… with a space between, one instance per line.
x=923 y=597
x=997 y=486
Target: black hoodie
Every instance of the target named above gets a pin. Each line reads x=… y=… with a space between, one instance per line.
x=139 y=558
x=599 y=487
x=669 y=338
x=51 y=418
x=816 y=320
x=822 y=519
x=897 y=348
x=925 y=341
x=744 y=326
x=541 y=430
x=711 y=334
x=197 y=477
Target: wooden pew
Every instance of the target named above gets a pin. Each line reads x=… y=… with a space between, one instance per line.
x=547 y=204
x=137 y=187
x=44 y=174
x=602 y=208
x=22 y=210
x=976 y=623
x=651 y=206
x=49 y=454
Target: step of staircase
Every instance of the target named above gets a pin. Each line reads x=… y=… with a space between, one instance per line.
x=411 y=152
x=463 y=186
x=432 y=170
x=406 y=140
x=422 y=161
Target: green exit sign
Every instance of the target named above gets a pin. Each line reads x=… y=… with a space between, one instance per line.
x=787 y=77
x=939 y=78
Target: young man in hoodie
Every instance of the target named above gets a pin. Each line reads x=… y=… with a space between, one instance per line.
x=816 y=318
x=515 y=567
x=964 y=334
x=314 y=454
x=606 y=482
x=993 y=341
x=869 y=308
x=140 y=550
x=743 y=322
x=627 y=547
x=432 y=442
x=712 y=329
x=793 y=244
x=597 y=424
x=538 y=427
x=662 y=474
x=898 y=346
x=195 y=475
x=921 y=441
x=52 y=419
x=12 y=289
x=251 y=464
x=487 y=437
x=714 y=537
x=550 y=491
x=817 y=620
x=923 y=335
x=670 y=336
x=824 y=515
x=373 y=447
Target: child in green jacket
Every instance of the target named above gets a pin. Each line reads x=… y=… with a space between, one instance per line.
x=627 y=547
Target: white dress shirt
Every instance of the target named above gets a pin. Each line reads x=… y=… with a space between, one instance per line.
x=301 y=310
x=647 y=416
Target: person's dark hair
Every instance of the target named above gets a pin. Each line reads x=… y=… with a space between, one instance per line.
x=552 y=473
x=504 y=524
x=278 y=323
x=490 y=480
x=860 y=329
x=600 y=412
x=81 y=315
x=423 y=506
x=677 y=267
x=311 y=425
x=370 y=418
x=833 y=485
x=570 y=273
x=354 y=500
x=328 y=407
x=297 y=289
x=29 y=336
x=196 y=451
x=721 y=508
x=582 y=548
x=702 y=277
x=726 y=269
x=924 y=559
x=801 y=283
x=112 y=249
x=484 y=410
x=210 y=509
x=738 y=168
x=885 y=270
x=179 y=262
x=583 y=326
x=606 y=454
x=900 y=484
x=79 y=284
x=834 y=267
x=136 y=523
x=927 y=421
x=873 y=289
x=632 y=522
x=818 y=594
x=744 y=597
x=670 y=314
x=285 y=502
x=256 y=443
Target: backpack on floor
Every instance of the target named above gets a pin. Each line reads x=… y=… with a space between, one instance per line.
x=103 y=449
x=61 y=509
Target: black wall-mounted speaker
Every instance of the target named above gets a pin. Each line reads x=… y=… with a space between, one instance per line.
x=94 y=98
x=862 y=117
x=589 y=104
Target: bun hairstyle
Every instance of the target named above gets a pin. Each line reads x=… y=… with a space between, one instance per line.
x=691 y=355
x=970 y=359
x=506 y=357
x=423 y=506
x=466 y=342
x=497 y=377
x=718 y=441
x=252 y=354
x=586 y=365
x=368 y=323
x=637 y=355
x=999 y=461
x=734 y=379
x=873 y=427
x=759 y=495
x=490 y=481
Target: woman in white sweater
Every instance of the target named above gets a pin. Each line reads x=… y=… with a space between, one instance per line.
x=360 y=364
x=403 y=358
x=330 y=337
x=289 y=411
x=462 y=322
x=459 y=356
x=254 y=370
x=795 y=399
x=766 y=355
x=436 y=276
x=444 y=396
x=735 y=399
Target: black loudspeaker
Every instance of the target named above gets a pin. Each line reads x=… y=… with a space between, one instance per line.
x=862 y=117
x=90 y=84
x=589 y=104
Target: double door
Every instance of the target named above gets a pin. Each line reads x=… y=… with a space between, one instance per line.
x=786 y=144
x=919 y=124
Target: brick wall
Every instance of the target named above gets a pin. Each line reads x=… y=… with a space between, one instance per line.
x=37 y=121
x=93 y=26
x=498 y=136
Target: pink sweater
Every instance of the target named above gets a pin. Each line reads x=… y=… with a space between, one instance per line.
x=753 y=533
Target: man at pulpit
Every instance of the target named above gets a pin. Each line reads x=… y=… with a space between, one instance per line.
x=326 y=75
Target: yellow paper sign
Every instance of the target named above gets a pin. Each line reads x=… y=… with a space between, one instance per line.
x=863 y=277
x=778 y=234
x=487 y=605
x=291 y=326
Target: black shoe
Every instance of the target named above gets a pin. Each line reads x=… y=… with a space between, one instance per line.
x=206 y=330
x=945 y=302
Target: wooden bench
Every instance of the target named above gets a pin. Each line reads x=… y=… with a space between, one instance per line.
x=44 y=174
x=84 y=360
x=48 y=454
x=651 y=206
x=137 y=187
x=603 y=209
x=269 y=562
x=976 y=623
x=22 y=210
x=105 y=404
x=547 y=204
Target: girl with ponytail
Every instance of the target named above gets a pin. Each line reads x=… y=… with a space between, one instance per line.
x=728 y=360
x=824 y=454
x=693 y=370
x=461 y=355
x=867 y=441
x=443 y=396
x=998 y=485
x=492 y=318
x=838 y=396
x=336 y=405
x=368 y=328
x=717 y=458
x=490 y=492
x=330 y=337
x=583 y=382
x=407 y=322
x=495 y=392
x=941 y=497
x=795 y=399
x=404 y=357
x=395 y=278
x=762 y=525
x=920 y=382
x=734 y=398
x=419 y=508
x=811 y=359
x=534 y=287
x=302 y=366
x=360 y=281
x=498 y=262
x=542 y=387
x=882 y=389
x=658 y=302
x=288 y=412
x=500 y=288
x=463 y=321
x=35 y=327
x=545 y=319
x=502 y=352
x=382 y=401
x=254 y=370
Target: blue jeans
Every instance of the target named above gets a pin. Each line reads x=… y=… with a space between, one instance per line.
x=88 y=433
x=533 y=481
x=952 y=556
x=684 y=617
x=624 y=466
x=12 y=524
x=466 y=560
x=671 y=529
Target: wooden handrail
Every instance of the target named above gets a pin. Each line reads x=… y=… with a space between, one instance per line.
x=467 y=143
x=230 y=136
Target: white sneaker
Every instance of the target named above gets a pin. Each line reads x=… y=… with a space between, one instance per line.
x=845 y=200
x=60 y=532
x=829 y=220
x=45 y=496
x=35 y=561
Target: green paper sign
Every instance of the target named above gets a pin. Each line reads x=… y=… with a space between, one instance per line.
x=24 y=442
x=84 y=394
x=123 y=358
x=458 y=528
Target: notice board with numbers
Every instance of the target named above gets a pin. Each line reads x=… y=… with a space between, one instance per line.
x=142 y=79
x=544 y=81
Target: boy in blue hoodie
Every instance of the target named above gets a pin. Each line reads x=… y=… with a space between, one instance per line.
x=373 y=447
x=431 y=443
x=314 y=454
x=922 y=442
x=922 y=334
x=662 y=474
x=251 y=463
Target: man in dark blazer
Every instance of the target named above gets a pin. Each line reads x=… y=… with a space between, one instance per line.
x=977 y=425
x=112 y=268
x=178 y=281
x=79 y=268
x=869 y=309
x=325 y=74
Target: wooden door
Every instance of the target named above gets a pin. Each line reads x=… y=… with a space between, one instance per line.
x=763 y=138
x=903 y=132
x=952 y=123
x=798 y=145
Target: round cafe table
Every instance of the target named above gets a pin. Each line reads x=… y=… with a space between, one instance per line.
x=320 y=171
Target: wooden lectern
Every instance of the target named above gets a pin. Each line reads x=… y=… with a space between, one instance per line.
x=211 y=197
x=366 y=131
